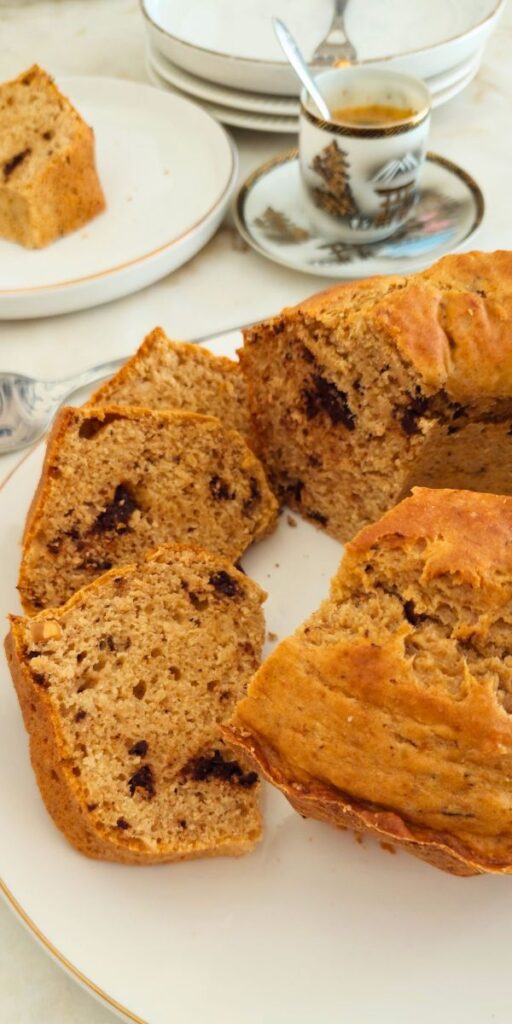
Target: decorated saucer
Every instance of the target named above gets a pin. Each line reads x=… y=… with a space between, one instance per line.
x=271 y=217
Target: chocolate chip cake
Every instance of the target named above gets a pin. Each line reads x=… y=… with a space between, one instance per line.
x=165 y=374
x=123 y=692
x=118 y=481
x=390 y=707
x=48 y=179
x=368 y=389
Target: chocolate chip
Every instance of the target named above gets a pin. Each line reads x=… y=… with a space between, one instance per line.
x=219 y=489
x=453 y=430
x=368 y=568
x=223 y=583
x=14 y=162
x=142 y=779
x=457 y=410
x=417 y=407
x=122 y=823
x=295 y=490
x=215 y=767
x=317 y=516
x=182 y=823
x=91 y=807
x=139 y=749
x=48 y=135
x=80 y=715
x=307 y=355
x=40 y=679
x=117 y=514
x=411 y=614
x=254 y=496
x=324 y=396
x=54 y=546
x=73 y=533
x=32 y=654
x=80 y=656
x=97 y=564
x=92 y=425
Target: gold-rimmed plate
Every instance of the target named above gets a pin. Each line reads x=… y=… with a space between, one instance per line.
x=168 y=170
x=311 y=928
x=270 y=215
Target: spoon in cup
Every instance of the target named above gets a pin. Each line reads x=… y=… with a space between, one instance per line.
x=294 y=56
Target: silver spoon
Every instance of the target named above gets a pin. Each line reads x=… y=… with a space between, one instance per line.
x=27 y=405
x=336 y=47
x=292 y=52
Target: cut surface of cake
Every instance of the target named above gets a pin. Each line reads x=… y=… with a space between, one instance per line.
x=119 y=481
x=165 y=374
x=124 y=690
x=49 y=185
x=368 y=389
x=390 y=707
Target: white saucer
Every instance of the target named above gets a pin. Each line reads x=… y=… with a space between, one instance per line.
x=270 y=216
x=168 y=170
x=231 y=42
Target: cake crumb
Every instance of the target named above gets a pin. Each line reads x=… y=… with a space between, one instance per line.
x=291 y=521
x=272 y=636
x=387 y=846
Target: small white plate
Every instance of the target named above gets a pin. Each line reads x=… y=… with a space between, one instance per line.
x=270 y=216
x=232 y=42
x=311 y=928
x=168 y=170
x=230 y=115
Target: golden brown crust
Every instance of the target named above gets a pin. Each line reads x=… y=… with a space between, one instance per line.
x=469 y=533
x=325 y=803
x=52 y=761
x=451 y=322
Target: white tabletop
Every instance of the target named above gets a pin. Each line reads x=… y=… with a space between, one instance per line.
x=224 y=286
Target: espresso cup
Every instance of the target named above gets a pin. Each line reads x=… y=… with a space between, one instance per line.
x=360 y=181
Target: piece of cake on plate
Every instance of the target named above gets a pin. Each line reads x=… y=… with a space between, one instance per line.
x=49 y=184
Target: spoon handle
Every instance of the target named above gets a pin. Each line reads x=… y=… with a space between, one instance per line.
x=299 y=65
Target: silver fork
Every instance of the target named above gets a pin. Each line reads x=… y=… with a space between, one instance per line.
x=336 y=47
x=27 y=405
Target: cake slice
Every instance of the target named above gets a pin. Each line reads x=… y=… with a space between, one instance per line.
x=390 y=709
x=118 y=481
x=371 y=388
x=165 y=374
x=123 y=692
x=48 y=179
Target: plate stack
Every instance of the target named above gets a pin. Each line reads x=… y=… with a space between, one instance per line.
x=224 y=54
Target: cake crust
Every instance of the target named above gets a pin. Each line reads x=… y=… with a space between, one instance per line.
x=390 y=708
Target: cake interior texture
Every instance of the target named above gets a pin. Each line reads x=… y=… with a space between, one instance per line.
x=124 y=690
x=165 y=374
x=118 y=481
x=48 y=179
x=390 y=708
x=369 y=389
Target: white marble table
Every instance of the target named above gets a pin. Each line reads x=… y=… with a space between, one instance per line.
x=224 y=286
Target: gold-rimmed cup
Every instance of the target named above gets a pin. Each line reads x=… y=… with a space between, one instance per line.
x=360 y=180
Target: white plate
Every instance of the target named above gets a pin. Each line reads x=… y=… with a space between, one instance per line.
x=270 y=215
x=231 y=42
x=168 y=170
x=312 y=928
x=230 y=115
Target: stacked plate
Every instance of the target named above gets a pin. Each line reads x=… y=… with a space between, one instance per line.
x=225 y=54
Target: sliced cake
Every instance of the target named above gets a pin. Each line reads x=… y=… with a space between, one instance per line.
x=118 y=481
x=390 y=708
x=368 y=389
x=48 y=179
x=165 y=374
x=124 y=690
